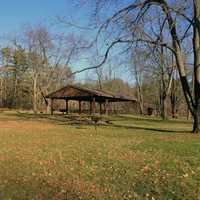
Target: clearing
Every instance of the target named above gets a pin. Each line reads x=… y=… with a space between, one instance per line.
x=44 y=157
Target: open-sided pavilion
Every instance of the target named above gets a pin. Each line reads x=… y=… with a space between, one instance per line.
x=81 y=94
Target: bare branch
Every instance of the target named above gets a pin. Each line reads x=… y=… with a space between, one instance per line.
x=102 y=62
x=114 y=43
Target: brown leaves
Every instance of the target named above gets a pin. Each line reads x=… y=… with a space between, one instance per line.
x=43 y=160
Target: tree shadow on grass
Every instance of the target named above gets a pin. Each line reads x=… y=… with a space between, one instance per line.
x=149 y=119
x=147 y=128
x=81 y=122
x=37 y=117
x=128 y=127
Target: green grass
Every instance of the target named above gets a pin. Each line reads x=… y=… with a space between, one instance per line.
x=44 y=157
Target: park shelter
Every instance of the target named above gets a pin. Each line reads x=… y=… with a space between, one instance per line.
x=92 y=96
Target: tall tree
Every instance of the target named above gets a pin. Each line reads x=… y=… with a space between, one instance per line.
x=179 y=19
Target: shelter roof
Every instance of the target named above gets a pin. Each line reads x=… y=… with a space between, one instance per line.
x=73 y=92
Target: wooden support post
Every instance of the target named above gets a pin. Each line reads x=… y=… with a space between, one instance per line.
x=90 y=107
x=52 y=101
x=48 y=107
x=100 y=108
x=66 y=106
x=106 y=107
x=93 y=106
x=80 y=108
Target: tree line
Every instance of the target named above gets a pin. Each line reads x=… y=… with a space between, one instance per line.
x=31 y=67
x=36 y=65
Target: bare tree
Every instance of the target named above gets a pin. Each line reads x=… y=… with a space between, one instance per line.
x=178 y=24
x=139 y=66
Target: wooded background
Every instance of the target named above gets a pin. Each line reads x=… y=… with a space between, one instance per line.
x=40 y=60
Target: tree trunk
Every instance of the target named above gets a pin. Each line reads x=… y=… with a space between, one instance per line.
x=179 y=59
x=173 y=99
x=35 y=94
x=196 y=49
x=1 y=89
x=163 y=98
x=163 y=112
x=196 y=121
x=164 y=89
x=138 y=80
x=13 y=103
x=140 y=98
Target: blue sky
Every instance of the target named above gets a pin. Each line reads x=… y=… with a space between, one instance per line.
x=15 y=14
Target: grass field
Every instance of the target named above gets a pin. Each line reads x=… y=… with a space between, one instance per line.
x=133 y=158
